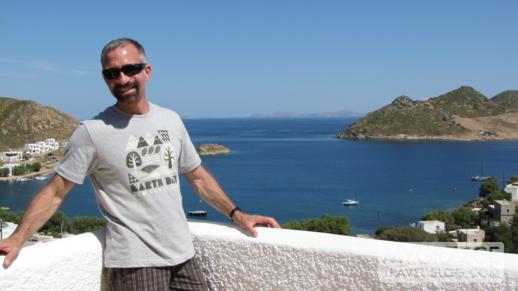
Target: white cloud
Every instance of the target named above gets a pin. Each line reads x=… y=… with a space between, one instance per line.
x=39 y=66
x=18 y=75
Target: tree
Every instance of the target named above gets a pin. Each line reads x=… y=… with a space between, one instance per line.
x=407 y=234
x=19 y=170
x=326 y=223
x=56 y=224
x=4 y=172
x=464 y=217
x=10 y=216
x=488 y=187
x=513 y=179
x=514 y=233
x=81 y=224
x=35 y=167
x=501 y=233
x=498 y=195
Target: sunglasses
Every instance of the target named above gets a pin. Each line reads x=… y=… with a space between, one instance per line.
x=128 y=70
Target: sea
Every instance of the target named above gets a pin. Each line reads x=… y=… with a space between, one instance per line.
x=295 y=168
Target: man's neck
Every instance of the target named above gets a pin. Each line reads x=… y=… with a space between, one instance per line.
x=139 y=108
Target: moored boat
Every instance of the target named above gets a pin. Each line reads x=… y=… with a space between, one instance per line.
x=480 y=178
x=197 y=213
x=351 y=202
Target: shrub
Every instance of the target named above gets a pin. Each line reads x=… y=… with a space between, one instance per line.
x=4 y=172
x=35 y=167
x=81 y=224
x=326 y=223
x=407 y=234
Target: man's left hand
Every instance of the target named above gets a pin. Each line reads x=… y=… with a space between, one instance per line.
x=248 y=222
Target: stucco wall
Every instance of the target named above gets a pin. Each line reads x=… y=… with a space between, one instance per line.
x=279 y=260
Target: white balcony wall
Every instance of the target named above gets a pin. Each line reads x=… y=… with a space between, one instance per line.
x=279 y=260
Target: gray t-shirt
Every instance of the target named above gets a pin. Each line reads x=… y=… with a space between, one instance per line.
x=133 y=162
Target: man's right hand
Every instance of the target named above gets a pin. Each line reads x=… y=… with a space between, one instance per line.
x=42 y=206
x=10 y=247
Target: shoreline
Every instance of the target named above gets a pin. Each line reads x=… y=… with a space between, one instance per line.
x=48 y=169
x=424 y=138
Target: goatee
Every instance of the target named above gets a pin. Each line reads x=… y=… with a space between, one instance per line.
x=118 y=93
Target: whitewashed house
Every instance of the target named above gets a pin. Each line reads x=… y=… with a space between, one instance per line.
x=11 y=156
x=431 y=226
x=7 y=229
x=513 y=190
x=44 y=147
x=33 y=149
x=41 y=147
x=52 y=144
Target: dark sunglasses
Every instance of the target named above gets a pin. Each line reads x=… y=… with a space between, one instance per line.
x=128 y=70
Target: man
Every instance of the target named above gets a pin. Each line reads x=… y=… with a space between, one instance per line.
x=133 y=152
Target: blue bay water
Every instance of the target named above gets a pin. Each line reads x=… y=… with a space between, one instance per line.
x=294 y=168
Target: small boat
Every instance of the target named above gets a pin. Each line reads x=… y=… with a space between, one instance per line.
x=41 y=178
x=480 y=178
x=197 y=213
x=21 y=179
x=351 y=202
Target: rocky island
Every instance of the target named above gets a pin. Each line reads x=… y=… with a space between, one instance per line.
x=462 y=114
x=211 y=149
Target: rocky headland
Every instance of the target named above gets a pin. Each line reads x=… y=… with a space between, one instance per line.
x=23 y=121
x=463 y=114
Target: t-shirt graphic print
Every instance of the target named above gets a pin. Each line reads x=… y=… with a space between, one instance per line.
x=150 y=160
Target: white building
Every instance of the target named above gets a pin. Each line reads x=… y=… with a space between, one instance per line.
x=41 y=147
x=44 y=147
x=33 y=149
x=52 y=144
x=513 y=190
x=7 y=229
x=11 y=156
x=431 y=226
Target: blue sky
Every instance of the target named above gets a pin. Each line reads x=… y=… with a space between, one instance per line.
x=236 y=58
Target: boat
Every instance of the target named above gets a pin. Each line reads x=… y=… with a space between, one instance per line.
x=197 y=213
x=21 y=179
x=41 y=178
x=480 y=178
x=351 y=202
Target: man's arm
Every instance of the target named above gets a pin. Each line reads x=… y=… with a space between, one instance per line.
x=209 y=190
x=41 y=208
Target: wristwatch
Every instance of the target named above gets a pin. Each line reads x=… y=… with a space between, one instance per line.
x=232 y=212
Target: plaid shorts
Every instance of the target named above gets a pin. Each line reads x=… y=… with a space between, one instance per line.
x=186 y=276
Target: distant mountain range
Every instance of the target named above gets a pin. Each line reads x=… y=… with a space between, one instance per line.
x=461 y=114
x=343 y=113
x=23 y=121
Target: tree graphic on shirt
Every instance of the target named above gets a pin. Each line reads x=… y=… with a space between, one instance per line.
x=169 y=157
x=133 y=160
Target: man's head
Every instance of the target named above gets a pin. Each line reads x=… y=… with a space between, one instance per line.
x=125 y=70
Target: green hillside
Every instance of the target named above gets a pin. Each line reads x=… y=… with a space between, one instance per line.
x=432 y=118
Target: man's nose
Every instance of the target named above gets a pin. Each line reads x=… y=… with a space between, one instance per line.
x=122 y=79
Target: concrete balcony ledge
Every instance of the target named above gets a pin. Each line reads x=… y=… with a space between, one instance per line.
x=278 y=260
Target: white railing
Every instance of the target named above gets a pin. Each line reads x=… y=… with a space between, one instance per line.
x=278 y=260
